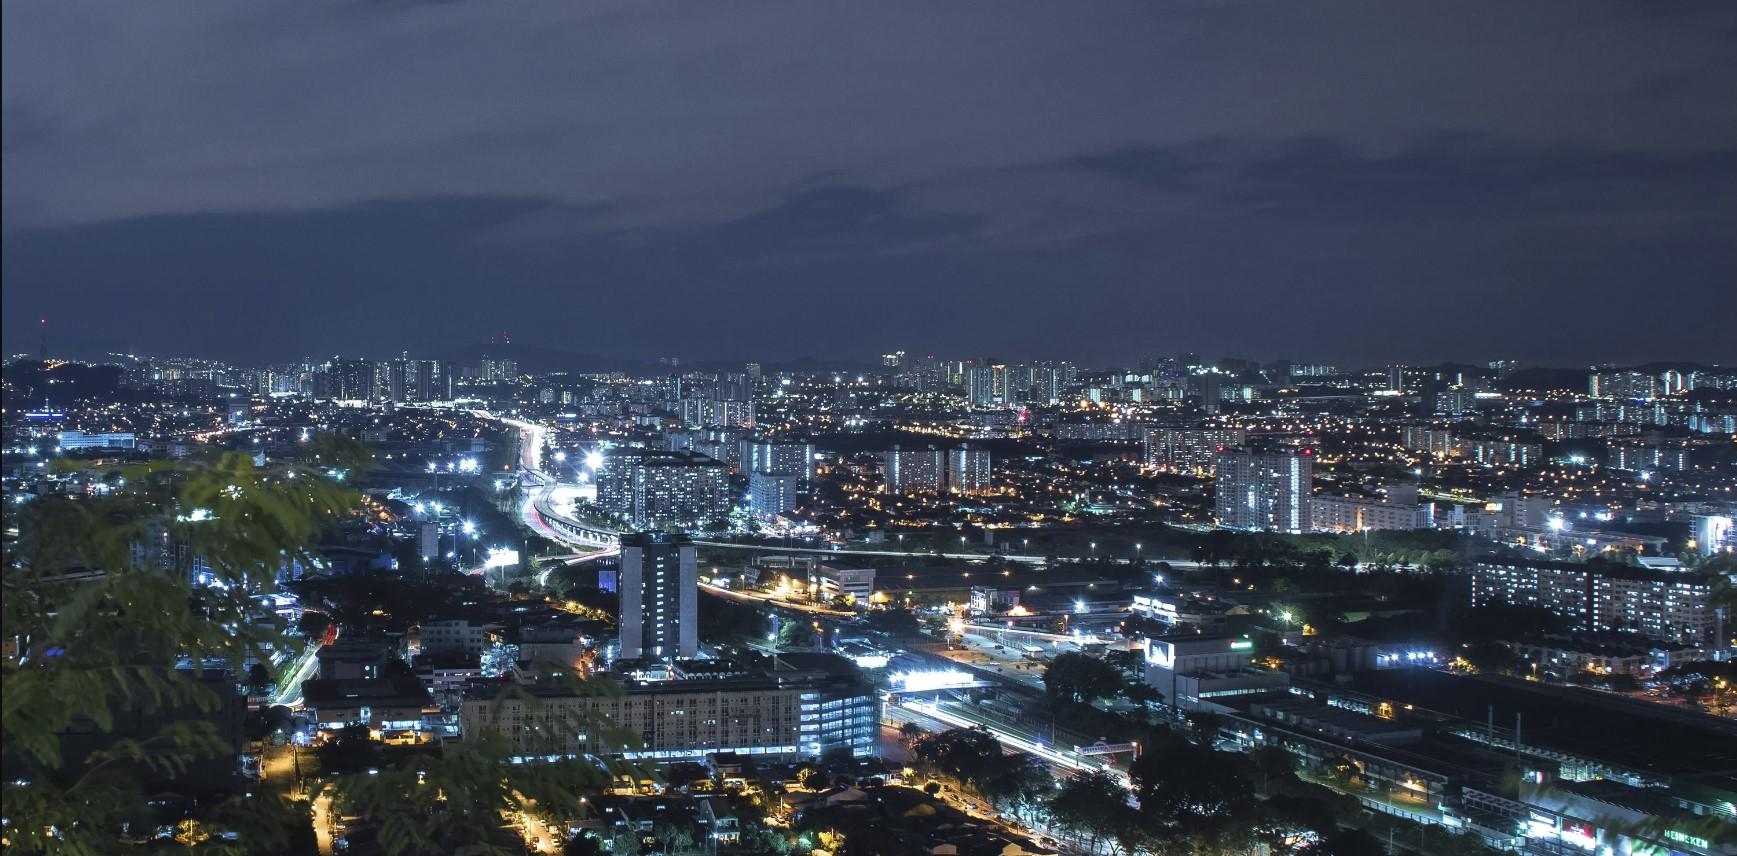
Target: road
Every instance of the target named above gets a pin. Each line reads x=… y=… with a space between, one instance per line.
x=953 y=715
x=289 y=692
x=830 y=550
x=765 y=600
x=536 y=509
x=1027 y=673
x=323 y=821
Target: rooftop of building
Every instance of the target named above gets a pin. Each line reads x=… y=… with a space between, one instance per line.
x=1596 y=566
x=650 y=537
x=1575 y=721
x=790 y=671
x=1612 y=644
x=355 y=651
x=397 y=690
x=660 y=458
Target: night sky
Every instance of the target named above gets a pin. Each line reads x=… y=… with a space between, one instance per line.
x=1358 y=183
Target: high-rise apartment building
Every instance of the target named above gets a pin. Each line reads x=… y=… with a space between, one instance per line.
x=968 y=471
x=1605 y=596
x=779 y=459
x=498 y=370
x=648 y=488
x=771 y=494
x=1630 y=386
x=986 y=385
x=398 y=380
x=910 y=470
x=1035 y=384
x=1193 y=451
x=659 y=585
x=1265 y=490
x=354 y=379
x=422 y=378
x=716 y=413
x=446 y=380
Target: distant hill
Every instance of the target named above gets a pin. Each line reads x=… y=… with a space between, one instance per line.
x=536 y=359
x=800 y=364
x=1569 y=379
x=1660 y=368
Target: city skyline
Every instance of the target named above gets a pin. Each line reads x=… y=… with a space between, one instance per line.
x=1219 y=427
x=1359 y=182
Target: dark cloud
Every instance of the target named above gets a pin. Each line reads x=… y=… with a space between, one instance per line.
x=1355 y=181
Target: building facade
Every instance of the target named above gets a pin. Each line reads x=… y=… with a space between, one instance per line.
x=910 y=470
x=1261 y=491
x=659 y=587
x=1347 y=514
x=1193 y=451
x=649 y=488
x=809 y=706
x=779 y=459
x=968 y=471
x=1669 y=606
x=770 y=495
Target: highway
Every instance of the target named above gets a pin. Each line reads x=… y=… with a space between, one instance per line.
x=289 y=692
x=829 y=550
x=538 y=514
x=955 y=715
x=816 y=609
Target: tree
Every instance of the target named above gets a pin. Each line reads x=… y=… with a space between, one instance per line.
x=1076 y=677
x=1284 y=823
x=812 y=778
x=1128 y=663
x=258 y=679
x=1023 y=783
x=314 y=625
x=1346 y=842
x=675 y=839
x=583 y=844
x=1141 y=693
x=625 y=844
x=101 y=626
x=1195 y=794
x=895 y=622
x=797 y=634
x=100 y=629
x=1087 y=804
x=353 y=750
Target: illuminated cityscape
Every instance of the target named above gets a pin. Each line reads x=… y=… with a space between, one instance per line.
x=1222 y=430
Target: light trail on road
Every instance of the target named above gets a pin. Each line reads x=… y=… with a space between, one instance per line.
x=1008 y=738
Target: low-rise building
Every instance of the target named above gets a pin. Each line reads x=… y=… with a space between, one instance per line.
x=460 y=635
x=395 y=704
x=808 y=706
x=830 y=581
x=1351 y=514
x=1190 y=671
